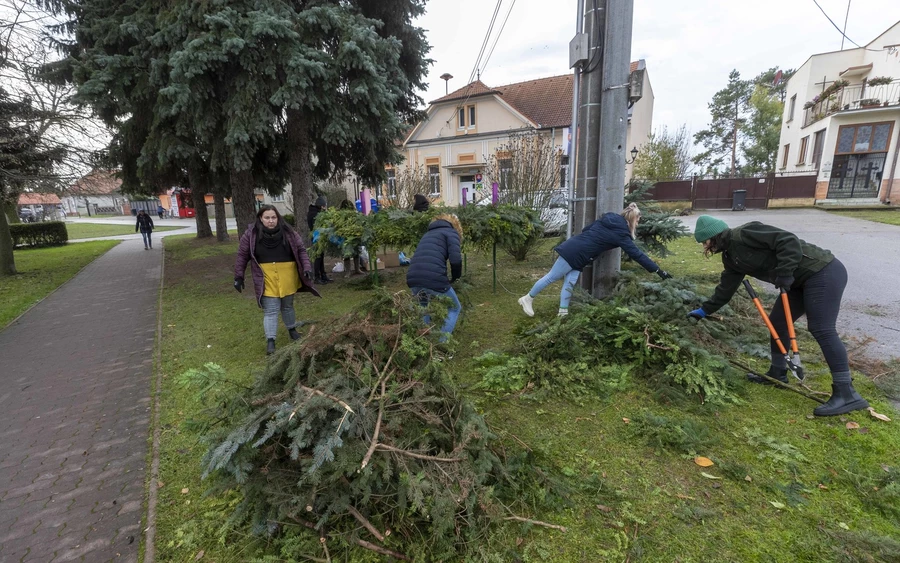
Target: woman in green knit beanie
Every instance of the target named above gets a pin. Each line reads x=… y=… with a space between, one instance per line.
x=813 y=279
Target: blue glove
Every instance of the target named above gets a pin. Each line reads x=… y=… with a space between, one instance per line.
x=698 y=314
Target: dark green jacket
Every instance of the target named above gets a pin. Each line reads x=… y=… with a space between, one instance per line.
x=765 y=253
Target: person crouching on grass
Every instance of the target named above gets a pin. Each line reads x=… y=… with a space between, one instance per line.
x=612 y=230
x=814 y=281
x=427 y=274
x=280 y=267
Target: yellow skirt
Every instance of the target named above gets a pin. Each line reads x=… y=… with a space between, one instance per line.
x=281 y=279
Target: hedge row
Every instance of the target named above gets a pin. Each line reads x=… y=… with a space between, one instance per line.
x=50 y=233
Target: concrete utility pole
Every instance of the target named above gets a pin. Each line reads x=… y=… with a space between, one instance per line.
x=616 y=69
x=584 y=206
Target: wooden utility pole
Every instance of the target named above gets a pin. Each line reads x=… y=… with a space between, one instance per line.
x=616 y=68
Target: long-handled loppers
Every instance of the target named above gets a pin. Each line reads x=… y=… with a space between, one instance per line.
x=793 y=357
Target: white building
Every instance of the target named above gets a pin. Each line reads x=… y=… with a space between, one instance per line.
x=464 y=128
x=842 y=122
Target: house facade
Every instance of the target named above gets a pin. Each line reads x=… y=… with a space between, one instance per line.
x=96 y=193
x=842 y=122
x=465 y=128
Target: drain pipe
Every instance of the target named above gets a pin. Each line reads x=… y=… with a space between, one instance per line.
x=887 y=197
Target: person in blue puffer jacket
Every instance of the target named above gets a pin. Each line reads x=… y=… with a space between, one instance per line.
x=612 y=230
x=427 y=274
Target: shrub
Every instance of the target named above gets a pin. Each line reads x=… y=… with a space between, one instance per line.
x=51 y=233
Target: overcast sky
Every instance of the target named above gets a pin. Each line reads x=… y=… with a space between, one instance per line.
x=690 y=46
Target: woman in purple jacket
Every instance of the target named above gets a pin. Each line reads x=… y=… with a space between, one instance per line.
x=280 y=267
x=613 y=230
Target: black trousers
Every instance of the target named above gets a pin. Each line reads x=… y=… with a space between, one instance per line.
x=819 y=298
x=319 y=267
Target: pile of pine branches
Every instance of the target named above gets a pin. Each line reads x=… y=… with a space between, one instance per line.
x=356 y=436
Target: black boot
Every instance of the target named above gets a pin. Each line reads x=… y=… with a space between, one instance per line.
x=844 y=399
x=294 y=334
x=270 y=346
x=776 y=373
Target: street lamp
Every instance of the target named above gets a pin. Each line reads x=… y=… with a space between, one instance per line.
x=634 y=153
x=446 y=78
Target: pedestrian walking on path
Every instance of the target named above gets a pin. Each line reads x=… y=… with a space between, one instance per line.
x=75 y=388
x=813 y=279
x=280 y=268
x=613 y=230
x=145 y=225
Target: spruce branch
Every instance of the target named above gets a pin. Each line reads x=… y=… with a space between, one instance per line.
x=381 y=550
x=374 y=443
x=365 y=523
x=388 y=448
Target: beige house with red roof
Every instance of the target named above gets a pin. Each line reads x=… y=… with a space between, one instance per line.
x=95 y=193
x=464 y=128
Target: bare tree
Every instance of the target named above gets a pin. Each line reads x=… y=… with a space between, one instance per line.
x=527 y=170
x=403 y=183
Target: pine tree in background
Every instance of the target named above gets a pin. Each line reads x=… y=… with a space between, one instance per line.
x=657 y=226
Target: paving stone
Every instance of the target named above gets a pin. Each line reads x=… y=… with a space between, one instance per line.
x=76 y=374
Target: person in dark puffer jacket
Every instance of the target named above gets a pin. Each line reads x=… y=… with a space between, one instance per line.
x=814 y=281
x=427 y=274
x=420 y=203
x=612 y=230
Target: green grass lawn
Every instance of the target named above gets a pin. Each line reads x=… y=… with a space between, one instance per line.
x=41 y=271
x=889 y=216
x=93 y=230
x=784 y=487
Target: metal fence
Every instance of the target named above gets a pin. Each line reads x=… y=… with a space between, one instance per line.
x=718 y=193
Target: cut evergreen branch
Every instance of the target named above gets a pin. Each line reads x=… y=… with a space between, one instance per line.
x=357 y=436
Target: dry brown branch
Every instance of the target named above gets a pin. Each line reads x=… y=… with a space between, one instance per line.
x=777 y=382
x=388 y=448
x=649 y=345
x=536 y=523
x=374 y=443
x=382 y=550
x=312 y=391
x=366 y=524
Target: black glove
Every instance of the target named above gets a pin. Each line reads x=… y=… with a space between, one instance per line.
x=239 y=284
x=663 y=274
x=307 y=274
x=697 y=314
x=784 y=282
x=455 y=271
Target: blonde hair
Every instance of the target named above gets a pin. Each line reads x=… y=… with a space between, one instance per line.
x=632 y=215
x=454 y=222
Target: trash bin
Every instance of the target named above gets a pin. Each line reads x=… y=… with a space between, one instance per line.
x=739 y=200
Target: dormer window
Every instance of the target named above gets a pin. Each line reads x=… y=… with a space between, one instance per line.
x=461 y=118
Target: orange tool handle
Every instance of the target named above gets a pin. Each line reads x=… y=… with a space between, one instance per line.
x=765 y=317
x=790 y=321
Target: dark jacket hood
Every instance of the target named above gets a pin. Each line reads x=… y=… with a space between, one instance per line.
x=615 y=222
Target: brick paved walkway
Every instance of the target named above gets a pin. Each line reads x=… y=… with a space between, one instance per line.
x=75 y=385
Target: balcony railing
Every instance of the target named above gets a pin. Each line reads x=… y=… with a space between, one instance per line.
x=850 y=98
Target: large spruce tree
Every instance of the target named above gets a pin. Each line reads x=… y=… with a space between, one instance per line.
x=256 y=90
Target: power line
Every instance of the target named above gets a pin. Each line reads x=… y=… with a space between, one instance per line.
x=841 y=32
x=499 y=33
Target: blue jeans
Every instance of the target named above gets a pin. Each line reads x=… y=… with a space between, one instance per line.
x=453 y=312
x=271 y=306
x=147 y=242
x=560 y=270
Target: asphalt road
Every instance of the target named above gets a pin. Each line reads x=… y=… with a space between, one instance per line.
x=871 y=253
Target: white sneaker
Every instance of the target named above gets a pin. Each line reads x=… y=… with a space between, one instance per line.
x=525 y=301
x=562 y=312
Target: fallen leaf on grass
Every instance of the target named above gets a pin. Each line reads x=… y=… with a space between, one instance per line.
x=778 y=505
x=603 y=508
x=852 y=425
x=748 y=478
x=823 y=487
x=844 y=526
x=708 y=476
x=626 y=420
x=185 y=491
x=879 y=416
x=199 y=555
x=160 y=484
x=703 y=461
